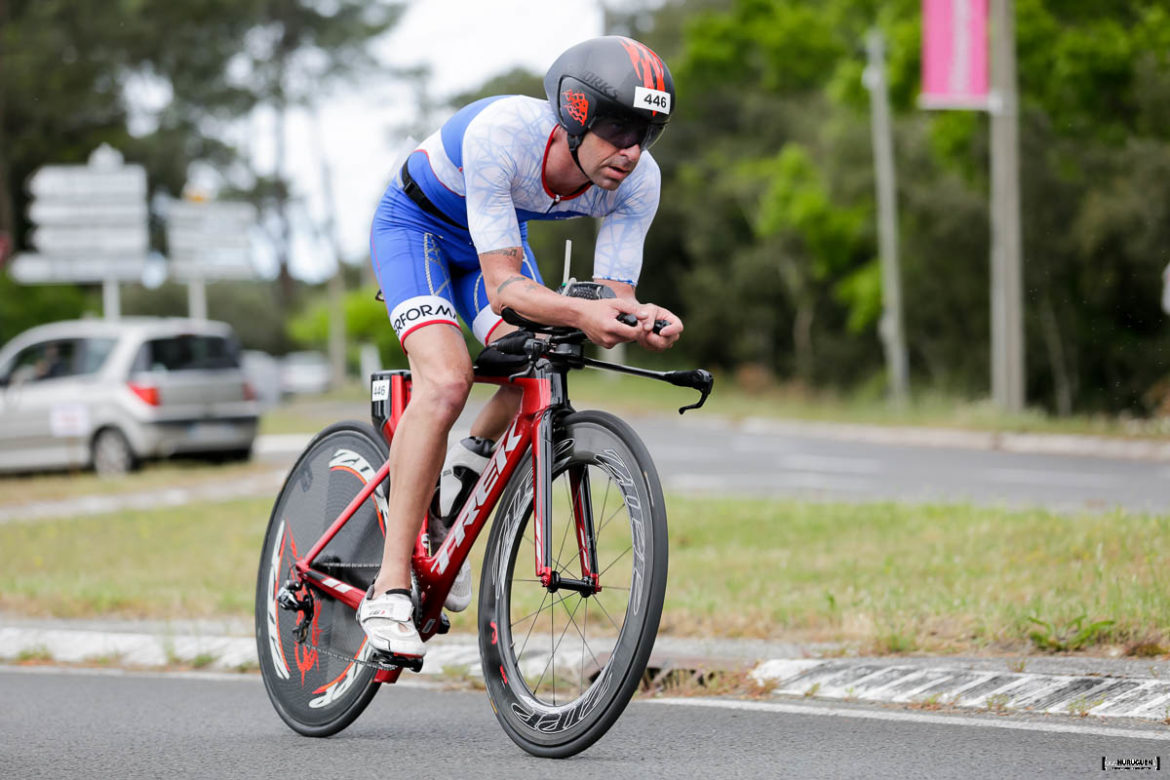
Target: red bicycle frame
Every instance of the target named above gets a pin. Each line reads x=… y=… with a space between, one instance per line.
x=543 y=397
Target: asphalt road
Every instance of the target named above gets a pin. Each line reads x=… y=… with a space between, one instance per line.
x=59 y=724
x=713 y=458
x=698 y=454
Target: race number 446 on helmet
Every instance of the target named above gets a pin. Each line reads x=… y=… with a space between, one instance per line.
x=614 y=87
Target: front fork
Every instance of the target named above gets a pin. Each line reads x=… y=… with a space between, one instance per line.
x=582 y=506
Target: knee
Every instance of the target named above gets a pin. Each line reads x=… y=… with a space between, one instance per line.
x=445 y=395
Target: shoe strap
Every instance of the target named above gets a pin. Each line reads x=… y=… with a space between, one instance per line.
x=390 y=605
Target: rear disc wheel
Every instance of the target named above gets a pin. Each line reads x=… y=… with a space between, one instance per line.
x=319 y=685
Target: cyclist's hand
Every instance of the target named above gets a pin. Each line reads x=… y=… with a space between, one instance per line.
x=648 y=314
x=600 y=324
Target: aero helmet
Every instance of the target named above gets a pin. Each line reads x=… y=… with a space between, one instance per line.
x=614 y=86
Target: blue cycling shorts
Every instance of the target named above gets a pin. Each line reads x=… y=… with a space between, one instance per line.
x=429 y=270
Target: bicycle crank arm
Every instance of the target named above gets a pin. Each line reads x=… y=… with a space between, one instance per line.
x=411 y=662
x=696 y=379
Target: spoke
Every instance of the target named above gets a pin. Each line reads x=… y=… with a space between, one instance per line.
x=611 y=517
x=584 y=642
x=529 y=634
x=553 y=654
x=615 y=560
x=605 y=501
x=539 y=609
x=611 y=620
x=552 y=628
x=584 y=646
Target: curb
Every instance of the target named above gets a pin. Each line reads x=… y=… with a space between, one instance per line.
x=925 y=684
x=1099 y=695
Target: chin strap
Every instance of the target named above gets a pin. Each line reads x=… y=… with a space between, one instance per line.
x=574 y=144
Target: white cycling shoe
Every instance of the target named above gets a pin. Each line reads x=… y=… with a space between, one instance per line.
x=459 y=597
x=388 y=621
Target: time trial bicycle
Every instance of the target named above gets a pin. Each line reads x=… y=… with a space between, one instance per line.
x=573 y=576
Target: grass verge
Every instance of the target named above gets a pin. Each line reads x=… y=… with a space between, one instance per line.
x=19 y=489
x=884 y=578
x=737 y=400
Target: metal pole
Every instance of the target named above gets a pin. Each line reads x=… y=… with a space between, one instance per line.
x=1007 y=319
x=197 y=299
x=336 y=285
x=890 y=329
x=111 y=300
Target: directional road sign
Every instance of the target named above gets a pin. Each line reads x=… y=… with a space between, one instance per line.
x=90 y=222
x=78 y=268
x=211 y=240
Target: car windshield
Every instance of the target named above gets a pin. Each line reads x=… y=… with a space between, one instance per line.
x=187 y=353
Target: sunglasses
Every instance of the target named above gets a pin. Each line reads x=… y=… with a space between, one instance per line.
x=624 y=133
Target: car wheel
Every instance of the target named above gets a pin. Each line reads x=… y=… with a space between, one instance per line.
x=111 y=453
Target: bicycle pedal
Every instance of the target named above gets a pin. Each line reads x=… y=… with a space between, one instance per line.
x=444 y=624
x=413 y=663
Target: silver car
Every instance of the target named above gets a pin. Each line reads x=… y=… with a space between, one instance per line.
x=109 y=394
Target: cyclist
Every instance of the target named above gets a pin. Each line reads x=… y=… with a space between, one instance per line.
x=449 y=237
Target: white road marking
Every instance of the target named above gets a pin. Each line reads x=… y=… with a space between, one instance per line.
x=705 y=482
x=830 y=464
x=913 y=717
x=1055 y=478
x=761 y=444
x=811 y=480
x=672 y=453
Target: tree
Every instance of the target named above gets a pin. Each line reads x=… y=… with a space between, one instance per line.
x=67 y=69
x=294 y=50
x=756 y=77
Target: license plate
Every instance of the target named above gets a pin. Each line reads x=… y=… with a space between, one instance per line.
x=211 y=431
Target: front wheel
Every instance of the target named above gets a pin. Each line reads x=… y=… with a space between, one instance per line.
x=111 y=453
x=560 y=666
x=315 y=661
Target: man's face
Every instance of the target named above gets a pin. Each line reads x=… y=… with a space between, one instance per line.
x=605 y=164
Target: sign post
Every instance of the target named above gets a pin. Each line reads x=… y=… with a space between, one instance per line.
x=957 y=73
x=209 y=241
x=90 y=226
x=891 y=330
x=1007 y=287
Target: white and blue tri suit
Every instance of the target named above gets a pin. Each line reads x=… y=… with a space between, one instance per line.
x=470 y=188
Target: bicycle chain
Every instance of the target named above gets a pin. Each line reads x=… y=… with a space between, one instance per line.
x=354 y=659
x=383 y=667
x=340 y=565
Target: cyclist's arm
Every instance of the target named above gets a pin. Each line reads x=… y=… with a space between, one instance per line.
x=508 y=288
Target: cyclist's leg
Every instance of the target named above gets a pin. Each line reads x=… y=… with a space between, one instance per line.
x=412 y=267
x=441 y=379
x=471 y=295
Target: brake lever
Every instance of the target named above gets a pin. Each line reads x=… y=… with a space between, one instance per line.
x=626 y=318
x=521 y=374
x=696 y=379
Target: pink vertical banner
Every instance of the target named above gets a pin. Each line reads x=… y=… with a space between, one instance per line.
x=954 y=54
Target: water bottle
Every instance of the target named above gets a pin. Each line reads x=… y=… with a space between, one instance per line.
x=464 y=463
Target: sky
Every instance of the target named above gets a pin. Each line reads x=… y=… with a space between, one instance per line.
x=465 y=42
